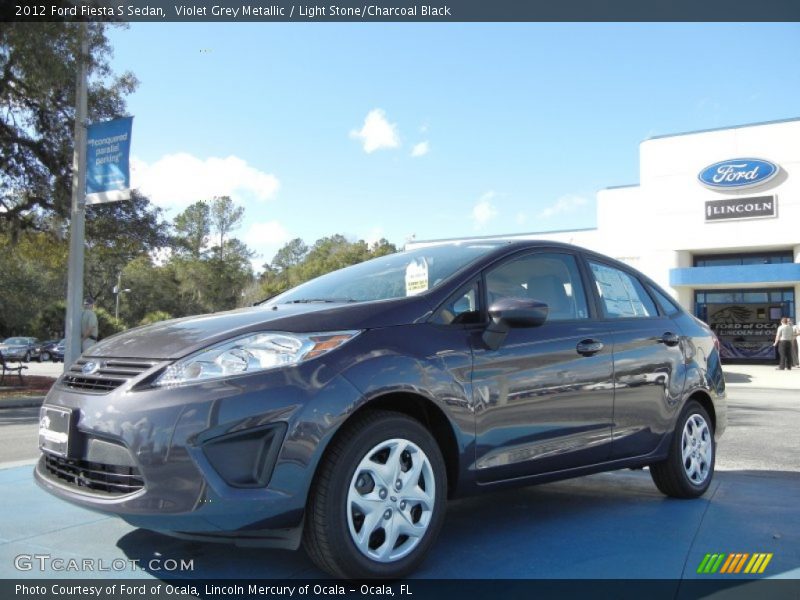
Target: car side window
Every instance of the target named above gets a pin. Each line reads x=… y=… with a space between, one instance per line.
x=552 y=278
x=666 y=303
x=462 y=307
x=621 y=293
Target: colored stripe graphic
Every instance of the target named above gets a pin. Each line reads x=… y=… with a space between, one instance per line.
x=734 y=562
x=728 y=563
x=765 y=563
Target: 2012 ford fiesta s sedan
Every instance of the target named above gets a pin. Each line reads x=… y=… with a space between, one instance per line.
x=342 y=414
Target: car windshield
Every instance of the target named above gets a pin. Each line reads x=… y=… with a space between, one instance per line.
x=17 y=341
x=392 y=276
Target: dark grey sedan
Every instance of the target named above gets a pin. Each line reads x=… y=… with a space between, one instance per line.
x=342 y=414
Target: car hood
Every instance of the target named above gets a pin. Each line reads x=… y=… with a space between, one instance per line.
x=179 y=337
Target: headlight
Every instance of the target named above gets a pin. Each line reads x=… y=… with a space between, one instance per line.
x=253 y=353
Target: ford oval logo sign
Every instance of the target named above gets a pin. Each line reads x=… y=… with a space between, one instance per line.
x=737 y=173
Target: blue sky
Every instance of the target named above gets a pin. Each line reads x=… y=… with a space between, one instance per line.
x=433 y=130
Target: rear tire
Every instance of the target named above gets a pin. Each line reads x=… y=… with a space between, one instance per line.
x=689 y=467
x=377 y=502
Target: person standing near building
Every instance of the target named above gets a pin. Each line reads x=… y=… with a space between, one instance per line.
x=88 y=325
x=796 y=329
x=783 y=340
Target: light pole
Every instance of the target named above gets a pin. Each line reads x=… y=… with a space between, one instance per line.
x=117 y=291
x=72 y=333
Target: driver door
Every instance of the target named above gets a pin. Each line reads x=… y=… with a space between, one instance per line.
x=544 y=400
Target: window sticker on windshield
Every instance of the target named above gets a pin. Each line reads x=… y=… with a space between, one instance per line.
x=416 y=277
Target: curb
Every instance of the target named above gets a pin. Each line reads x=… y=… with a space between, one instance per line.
x=22 y=402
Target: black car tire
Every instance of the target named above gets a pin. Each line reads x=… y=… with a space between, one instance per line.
x=329 y=532
x=671 y=475
x=28 y=356
x=44 y=356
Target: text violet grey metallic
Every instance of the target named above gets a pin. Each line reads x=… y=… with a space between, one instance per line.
x=737 y=173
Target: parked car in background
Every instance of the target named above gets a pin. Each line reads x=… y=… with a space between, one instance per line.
x=21 y=349
x=57 y=352
x=46 y=350
x=344 y=413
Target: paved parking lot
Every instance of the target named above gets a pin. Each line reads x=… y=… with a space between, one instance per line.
x=605 y=526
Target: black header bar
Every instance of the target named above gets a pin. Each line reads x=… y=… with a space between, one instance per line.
x=435 y=11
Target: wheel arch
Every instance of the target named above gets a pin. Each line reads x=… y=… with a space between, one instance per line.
x=421 y=409
x=704 y=400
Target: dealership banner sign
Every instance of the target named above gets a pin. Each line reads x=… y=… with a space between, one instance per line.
x=108 y=147
x=757 y=207
x=745 y=330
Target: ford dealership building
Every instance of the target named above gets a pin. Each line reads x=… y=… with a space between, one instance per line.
x=715 y=219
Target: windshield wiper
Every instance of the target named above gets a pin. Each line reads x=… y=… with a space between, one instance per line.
x=327 y=300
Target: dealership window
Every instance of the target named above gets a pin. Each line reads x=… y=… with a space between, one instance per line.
x=754 y=258
x=782 y=298
x=745 y=320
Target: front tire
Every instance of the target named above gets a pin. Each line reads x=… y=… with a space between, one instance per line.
x=44 y=357
x=378 y=500
x=689 y=467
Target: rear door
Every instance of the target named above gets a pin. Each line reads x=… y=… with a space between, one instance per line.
x=649 y=369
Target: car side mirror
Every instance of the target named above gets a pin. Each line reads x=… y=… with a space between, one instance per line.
x=508 y=313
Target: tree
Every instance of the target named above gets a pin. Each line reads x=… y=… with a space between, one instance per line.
x=153 y=288
x=116 y=234
x=38 y=66
x=193 y=227
x=290 y=255
x=225 y=217
x=382 y=247
x=32 y=276
x=155 y=317
x=296 y=263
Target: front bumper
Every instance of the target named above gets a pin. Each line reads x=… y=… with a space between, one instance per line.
x=225 y=459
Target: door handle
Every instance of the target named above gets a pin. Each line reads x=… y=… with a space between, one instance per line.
x=669 y=339
x=589 y=347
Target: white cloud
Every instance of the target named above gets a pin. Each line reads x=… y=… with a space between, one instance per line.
x=420 y=149
x=265 y=238
x=521 y=218
x=565 y=204
x=377 y=133
x=484 y=211
x=178 y=180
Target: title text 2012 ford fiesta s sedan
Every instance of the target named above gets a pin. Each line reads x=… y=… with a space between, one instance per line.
x=342 y=414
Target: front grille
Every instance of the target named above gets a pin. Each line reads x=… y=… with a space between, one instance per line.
x=109 y=376
x=99 y=478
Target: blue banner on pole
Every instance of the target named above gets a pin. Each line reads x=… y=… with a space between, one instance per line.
x=108 y=148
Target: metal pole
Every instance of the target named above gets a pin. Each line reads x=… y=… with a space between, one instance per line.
x=118 y=291
x=72 y=345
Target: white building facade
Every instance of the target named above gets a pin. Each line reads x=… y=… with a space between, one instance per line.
x=715 y=220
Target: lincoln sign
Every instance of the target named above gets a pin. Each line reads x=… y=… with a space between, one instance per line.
x=741 y=208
